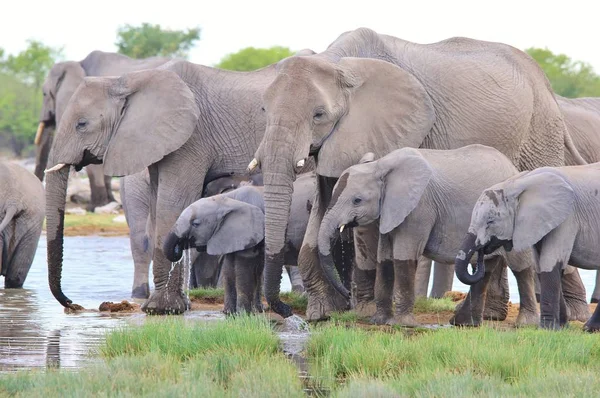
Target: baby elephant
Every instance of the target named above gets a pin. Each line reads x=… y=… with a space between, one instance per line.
x=423 y=200
x=232 y=224
x=554 y=209
x=22 y=208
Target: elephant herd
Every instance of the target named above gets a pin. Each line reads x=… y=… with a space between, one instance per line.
x=371 y=155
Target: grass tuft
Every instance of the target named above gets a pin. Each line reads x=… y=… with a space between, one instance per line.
x=344 y=317
x=211 y=295
x=297 y=301
x=430 y=305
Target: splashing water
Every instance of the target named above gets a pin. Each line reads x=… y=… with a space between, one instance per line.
x=295 y=323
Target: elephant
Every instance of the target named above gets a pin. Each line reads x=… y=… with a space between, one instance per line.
x=553 y=210
x=421 y=201
x=60 y=84
x=22 y=205
x=582 y=117
x=369 y=92
x=186 y=123
x=232 y=225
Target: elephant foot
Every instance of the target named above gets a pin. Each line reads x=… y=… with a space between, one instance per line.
x=577 y=310
x=461 y=320
x=550 y=323
x=407 y=320
x=365 y=309
x=495 y=312
x=527 y=318
x=162 y=302
x=319 y=308
x=591 y=327
x=141 y=292
x=381 y=318
x=594 y=300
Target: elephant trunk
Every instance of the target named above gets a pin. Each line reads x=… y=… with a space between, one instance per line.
x=461 y=265
x=173 y=247
x=327 y=233
x=278 y=177
x=56 y=194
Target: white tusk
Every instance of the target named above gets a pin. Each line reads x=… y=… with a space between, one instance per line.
x=55 y=168
x=38 y=134
x=253 y=164
x=342 y=228
x=300 y=163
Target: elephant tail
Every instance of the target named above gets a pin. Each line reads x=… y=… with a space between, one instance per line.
x=10 y=213
x=571 y=148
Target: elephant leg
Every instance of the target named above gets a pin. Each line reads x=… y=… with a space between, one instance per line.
x=99 y=196
x=141 y=250
x=384 y=289
x=364 y=291
x=528 y=311
x=20 y=258
x=322 y=297
x=258 y=268
x=108 y=184
x=551 y=298
x=245 y=284
x=422 y=277
x=596 y=292
x=593 y=324
x=206 y=269
x=443 y=277
x=229 y=284
x=574 y=293
x=343 y=258
x=295 y=278
x=498 y=295
x=470 y=311
x=404 y=292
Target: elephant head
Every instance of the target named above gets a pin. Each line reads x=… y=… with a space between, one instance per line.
x=514 y=214
x=230 y=181
x=336 y=111
x=388 y=190
x=220 y=224
x=127 y=123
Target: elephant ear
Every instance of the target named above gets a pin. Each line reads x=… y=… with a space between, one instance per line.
x=159 y=115
x=242 y=227
x=544 y=201
x=388 y=108
x=405 y=174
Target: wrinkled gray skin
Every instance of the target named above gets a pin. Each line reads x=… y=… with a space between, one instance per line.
x=421 y=201
x=555 y=210
x=232 y=224
x=441 y=96
x=225 y=184
x=582 y=117
x=185 y=122
x=22 y=205
x=61 y=82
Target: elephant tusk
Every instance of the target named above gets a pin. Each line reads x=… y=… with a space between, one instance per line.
x=342 y=228
x=300 y=163
x=38 y=134
x=55 y=168
x=253 y=164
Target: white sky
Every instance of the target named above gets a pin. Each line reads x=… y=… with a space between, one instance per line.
x=569 y=27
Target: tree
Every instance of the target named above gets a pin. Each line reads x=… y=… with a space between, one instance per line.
x=33 y=64
x=251 y=58
x=151 y=40
x=568 y=78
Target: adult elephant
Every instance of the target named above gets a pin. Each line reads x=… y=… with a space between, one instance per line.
x=187 y=123
x=61 y=82
x=346 y=101
x=582 y=117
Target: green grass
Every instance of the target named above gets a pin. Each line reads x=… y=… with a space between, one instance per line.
x=210 y=294
x=169 y=357
x=431 y=305
x=297 y=301
x=456 y=362
x=344 y=317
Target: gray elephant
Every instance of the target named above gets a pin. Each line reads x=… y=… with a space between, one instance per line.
x=338 y=107
x=22 y=205
x=186 y=123
x=61 y=82
x=552 y=209
x=582 y=117
x=421 y=202
x=232 y=224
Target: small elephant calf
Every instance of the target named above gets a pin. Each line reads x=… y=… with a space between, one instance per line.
x=232 y=224
x=555 y=210
x=422 y=200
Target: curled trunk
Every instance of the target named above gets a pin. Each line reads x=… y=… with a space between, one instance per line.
x=173 y=247
x=56 y=193
x=327 y=233
x=461 y=265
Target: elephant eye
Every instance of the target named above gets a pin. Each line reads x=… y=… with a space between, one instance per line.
x=318 y=115
x=195 y=223
x=356 y=201
x=81 y=125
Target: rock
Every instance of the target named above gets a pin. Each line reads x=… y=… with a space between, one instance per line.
x=111 y=208
x=76 y=210
x=120 y=218
x=455 y=296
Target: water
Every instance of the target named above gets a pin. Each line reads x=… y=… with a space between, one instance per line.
x=36 y=333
